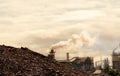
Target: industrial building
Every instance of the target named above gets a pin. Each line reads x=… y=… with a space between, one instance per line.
x=116 y=58
x=81 y=63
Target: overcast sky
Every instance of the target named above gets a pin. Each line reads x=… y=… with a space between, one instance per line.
x=38 y=24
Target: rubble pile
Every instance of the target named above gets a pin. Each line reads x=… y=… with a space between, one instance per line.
x=24 y=62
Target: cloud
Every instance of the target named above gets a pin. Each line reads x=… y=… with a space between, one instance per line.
x=41 y=34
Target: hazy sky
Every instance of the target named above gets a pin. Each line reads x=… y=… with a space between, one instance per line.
x=37 y=24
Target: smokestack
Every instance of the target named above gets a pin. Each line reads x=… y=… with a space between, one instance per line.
x=52 y=54
x=67 y=54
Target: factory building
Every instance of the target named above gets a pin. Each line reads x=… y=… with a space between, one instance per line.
x=116 y=58
x=81 y=63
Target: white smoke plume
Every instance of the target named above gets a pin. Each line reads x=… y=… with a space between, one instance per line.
x=77 y=41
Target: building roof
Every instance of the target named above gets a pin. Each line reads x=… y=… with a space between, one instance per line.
x=83 y=59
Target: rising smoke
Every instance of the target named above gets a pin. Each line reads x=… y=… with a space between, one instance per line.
x=75 y=42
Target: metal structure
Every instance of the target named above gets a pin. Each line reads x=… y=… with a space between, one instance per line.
x=116 y=58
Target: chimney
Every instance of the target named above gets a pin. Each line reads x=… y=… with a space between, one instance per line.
x=51 y=54
x=67 y=54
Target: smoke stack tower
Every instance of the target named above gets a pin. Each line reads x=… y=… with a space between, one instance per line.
x=67 y=56
x=51 y=54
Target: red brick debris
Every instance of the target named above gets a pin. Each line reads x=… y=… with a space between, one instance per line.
x=24 y=62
